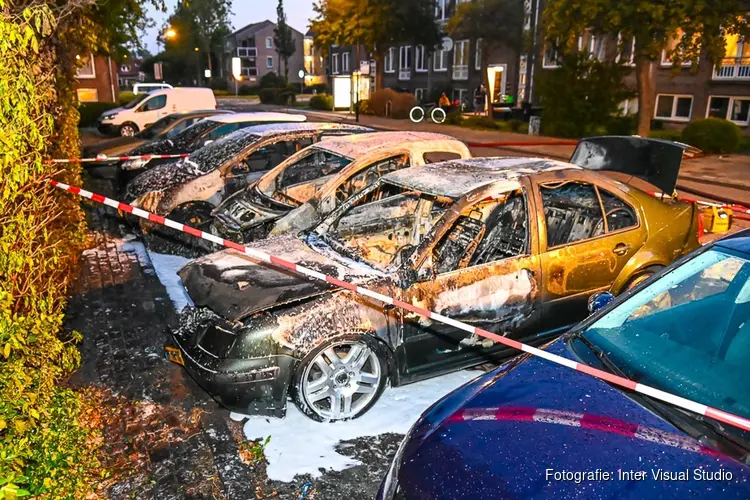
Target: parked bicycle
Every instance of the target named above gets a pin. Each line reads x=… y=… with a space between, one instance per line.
x=436 y=113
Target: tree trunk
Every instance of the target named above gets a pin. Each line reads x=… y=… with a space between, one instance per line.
x=644 y=72
x=378 y=71
x=486 y=81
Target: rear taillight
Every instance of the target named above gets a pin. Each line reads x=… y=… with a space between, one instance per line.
x=700 y=223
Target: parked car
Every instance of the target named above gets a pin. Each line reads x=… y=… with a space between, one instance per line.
x=148 y=108
x=299 y=192
x=166 y=128
x=200 y=134
x=514 y=245
x=141 y=88
x=515 y=431
x=188 y=189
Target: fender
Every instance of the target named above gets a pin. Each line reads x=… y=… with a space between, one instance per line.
x=641 y=260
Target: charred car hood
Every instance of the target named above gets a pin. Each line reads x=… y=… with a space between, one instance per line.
x=162 y=177
x=653 y=160
x=231 y=285
x=497 y=437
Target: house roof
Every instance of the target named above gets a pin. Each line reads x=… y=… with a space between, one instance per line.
x=253 y=28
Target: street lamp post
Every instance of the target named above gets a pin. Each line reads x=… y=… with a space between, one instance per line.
x=198 y=65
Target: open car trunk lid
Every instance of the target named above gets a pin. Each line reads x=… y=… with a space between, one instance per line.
x=652 y=160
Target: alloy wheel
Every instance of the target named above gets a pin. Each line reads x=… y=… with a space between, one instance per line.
x=342 y=380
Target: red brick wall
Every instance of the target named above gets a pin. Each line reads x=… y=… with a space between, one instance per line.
x=105 y=82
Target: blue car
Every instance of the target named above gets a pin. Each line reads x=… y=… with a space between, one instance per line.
x=533 y=429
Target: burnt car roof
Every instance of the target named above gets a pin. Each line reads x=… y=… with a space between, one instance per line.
x=354 y=146
x=270 y=129
x=455 y=178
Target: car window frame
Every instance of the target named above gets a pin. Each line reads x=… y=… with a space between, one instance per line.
x=579 y=176
x=140 y=109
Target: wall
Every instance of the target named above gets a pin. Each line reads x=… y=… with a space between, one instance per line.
x=103 y=83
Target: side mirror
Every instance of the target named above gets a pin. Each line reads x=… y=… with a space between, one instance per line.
x=599 y=300
x=207 y=142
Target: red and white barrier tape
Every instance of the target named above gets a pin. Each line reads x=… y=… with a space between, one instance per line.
x=728 y=418
x=105 y=158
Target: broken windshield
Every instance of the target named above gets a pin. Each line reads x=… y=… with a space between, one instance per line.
x=388 y=220
x=187 y=137
x=214 y=155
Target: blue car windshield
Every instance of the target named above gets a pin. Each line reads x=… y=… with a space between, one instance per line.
x=687 y=333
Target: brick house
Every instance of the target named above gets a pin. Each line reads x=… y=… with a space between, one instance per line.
x=314 y=62
x=129 y=73
x=255 y=47
x=97 y=79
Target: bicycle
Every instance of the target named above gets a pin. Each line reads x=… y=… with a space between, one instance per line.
x=436 y=113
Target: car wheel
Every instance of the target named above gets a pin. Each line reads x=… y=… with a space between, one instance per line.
x=171 y=241
x=641 y=277
x=128 y=130
x=341 y=379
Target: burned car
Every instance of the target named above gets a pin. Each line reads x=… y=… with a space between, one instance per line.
x=187 y=190
x=513 y=245
x=298 y=193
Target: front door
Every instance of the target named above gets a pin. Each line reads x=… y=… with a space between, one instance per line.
x=583 y=251
x=482 y=272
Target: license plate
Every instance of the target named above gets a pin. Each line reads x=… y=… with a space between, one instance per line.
x=174 y=355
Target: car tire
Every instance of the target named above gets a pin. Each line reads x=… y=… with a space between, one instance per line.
x=640 y=277
x=128 y=129
x=337 y=377
x=171 y=241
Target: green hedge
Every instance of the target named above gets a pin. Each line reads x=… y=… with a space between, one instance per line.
x=322 y=101
x=279 y=96
x=713 y=135
x=126 y=96
x=91 y=111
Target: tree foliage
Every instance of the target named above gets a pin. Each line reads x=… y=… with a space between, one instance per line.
x=283 y=39
x=375 y=24
x=698 y=26
x=497 y=22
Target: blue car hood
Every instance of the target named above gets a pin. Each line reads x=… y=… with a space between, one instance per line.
x=507 y=433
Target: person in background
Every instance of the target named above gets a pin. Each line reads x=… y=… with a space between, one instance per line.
x=480 y=95
x=444 y=102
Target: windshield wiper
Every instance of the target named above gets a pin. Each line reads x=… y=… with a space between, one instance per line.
x=600 y=354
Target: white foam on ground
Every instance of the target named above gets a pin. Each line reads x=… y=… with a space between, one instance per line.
x=166 y=267
x=300 y=445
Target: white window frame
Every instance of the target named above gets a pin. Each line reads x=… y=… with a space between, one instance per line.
x=441 y=56
x=630 y=62
x=335 y=64
x=674 y=118
x=478 y=55
x=464 y=61
x=420 y=93
x=668 y=63
x=269 y=42
x=440 y=6
x=420 y=59
x=404 y=53
x=345 y=62
x=269 y=62
x=93 y=69
x=388 y=66
x=731 y=98
x=546 y=64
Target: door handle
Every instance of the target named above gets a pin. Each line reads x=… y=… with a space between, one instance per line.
x=621 y=249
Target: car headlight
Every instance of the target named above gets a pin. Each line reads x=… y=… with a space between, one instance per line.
x=134 y=164
x=390 y=485
x=109 y=117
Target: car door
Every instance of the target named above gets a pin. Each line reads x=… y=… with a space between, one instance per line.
x=582 y=249
x=482 y=271
x=151 y=110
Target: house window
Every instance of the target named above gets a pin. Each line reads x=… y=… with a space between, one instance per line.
x=596 y=47
x=404 y=57
x=87 y=95
x=440 y=10
x=388 y=65
x=673 y=107
x=420 y=62
x=736 y=109
x=461 y=60
x=269 y=42
x=441 y=60
x=459 y=95
x=88 y=70
x=551 y=56
x=672 y=45
x=345 y=62
x=335 y=64
x=478 y=55
x=269 y=61
x=625 y=50
x=420 y=94
x=629 y=107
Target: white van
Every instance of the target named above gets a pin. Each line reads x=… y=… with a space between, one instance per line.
x=145 y=88
x=146 y=109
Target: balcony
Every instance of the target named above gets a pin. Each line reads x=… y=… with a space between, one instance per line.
x=404 y=74
x=248 y=72
x=247 y=52
x=733 y=68
x=460 y=71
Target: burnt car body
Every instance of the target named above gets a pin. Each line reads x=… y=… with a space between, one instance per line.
x=196 y=136
x=298 y=193
x=513 y=245
x=190 y=188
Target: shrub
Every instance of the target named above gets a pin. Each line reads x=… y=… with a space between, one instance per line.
x=125 y=97
x=320 y=88
x=91 y=111
x=667 y=135
x=248 y=90
x=515 y=125
x=218 y=84
x=482 y=122
x=713 y=135
x=221 y=93
x=622 y=125
x=321 y=101
x=364 y=107
x=454 y=117
x=272 y=80
x=283 y=96
x=400 y=103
